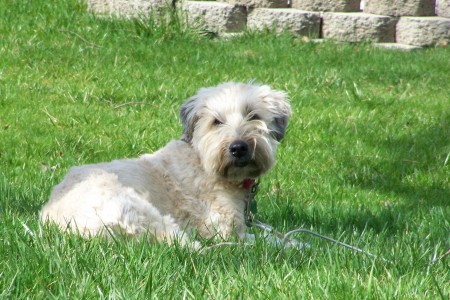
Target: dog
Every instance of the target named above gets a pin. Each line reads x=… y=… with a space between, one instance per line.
x=198 y=185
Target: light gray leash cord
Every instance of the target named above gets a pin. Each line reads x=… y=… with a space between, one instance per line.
x=285 y=238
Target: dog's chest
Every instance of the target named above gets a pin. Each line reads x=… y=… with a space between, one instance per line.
x=193 y=197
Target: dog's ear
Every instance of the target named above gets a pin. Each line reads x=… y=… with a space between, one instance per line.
x=188 y=118
x=282 y=112
x=280 y=125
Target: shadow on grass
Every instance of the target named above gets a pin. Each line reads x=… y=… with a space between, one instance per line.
x=413 y=173
x=409 y=178
x=415 y=167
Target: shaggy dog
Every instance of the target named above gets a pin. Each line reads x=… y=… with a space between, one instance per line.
x=196 y=185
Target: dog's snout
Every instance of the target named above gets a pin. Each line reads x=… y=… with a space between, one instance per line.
x=239 y=149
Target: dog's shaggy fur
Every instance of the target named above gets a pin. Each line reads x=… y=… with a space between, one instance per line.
x=193 y=185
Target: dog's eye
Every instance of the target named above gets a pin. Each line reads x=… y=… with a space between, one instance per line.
x=254 y=117
x=217 y=122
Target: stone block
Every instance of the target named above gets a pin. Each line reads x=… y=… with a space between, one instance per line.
x=423 y=31
x=357 y=27
x=443 y=8
x=259 y=3
x=125 y=8
x=327 y=5
x=215 y=16
x=295 y=21
x=400 y=7
x=396 y=46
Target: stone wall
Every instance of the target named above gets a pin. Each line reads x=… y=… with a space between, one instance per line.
x=394 y=23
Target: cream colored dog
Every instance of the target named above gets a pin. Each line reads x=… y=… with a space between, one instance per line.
x=196 y=185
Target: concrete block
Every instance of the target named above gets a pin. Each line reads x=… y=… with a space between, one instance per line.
x=356 y=27
x=295 y=21
x=125 y=8
x=215 y=16
x=443 y=8
x=259 y=3
x=400 y=7
x=327 y=5
x=423 y=31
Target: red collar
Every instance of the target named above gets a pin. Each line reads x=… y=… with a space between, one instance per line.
x=248 y=183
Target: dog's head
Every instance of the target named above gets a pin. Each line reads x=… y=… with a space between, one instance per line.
x=236 y=128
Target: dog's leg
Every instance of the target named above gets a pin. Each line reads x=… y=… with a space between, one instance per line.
x=141 y=217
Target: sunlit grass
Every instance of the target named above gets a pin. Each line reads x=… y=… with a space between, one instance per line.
x=365 y=159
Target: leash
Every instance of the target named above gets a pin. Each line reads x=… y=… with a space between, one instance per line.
x=251 y=210
x=250 y=203
x=288 y=242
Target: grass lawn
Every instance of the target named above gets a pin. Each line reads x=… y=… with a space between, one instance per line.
x=366 y=158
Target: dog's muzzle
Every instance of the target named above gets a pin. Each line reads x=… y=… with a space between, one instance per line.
x=240 y=151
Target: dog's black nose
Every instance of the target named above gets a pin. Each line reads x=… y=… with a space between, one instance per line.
x=239 y=149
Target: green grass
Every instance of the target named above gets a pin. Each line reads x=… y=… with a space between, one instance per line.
x=365 y=159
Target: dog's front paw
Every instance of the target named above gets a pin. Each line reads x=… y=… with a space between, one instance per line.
x=185 y=242
x=195 y=245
